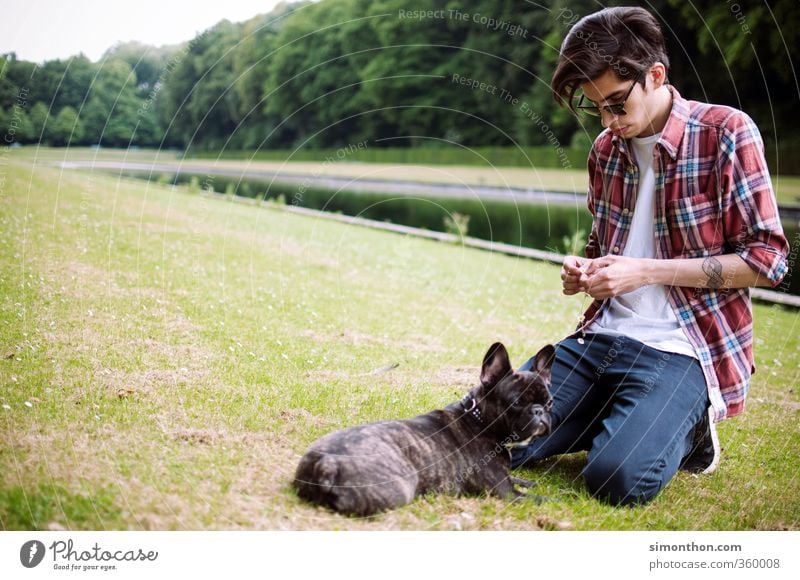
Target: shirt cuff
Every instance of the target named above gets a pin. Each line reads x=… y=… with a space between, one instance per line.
x=767 y=261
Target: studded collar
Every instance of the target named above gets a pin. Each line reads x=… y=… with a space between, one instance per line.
x=470 y=406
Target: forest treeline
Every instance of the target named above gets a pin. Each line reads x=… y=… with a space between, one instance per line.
x=394 y=74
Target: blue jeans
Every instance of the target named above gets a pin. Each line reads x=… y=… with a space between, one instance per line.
x=632 y=407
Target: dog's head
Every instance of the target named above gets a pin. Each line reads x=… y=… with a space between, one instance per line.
x=515 y=405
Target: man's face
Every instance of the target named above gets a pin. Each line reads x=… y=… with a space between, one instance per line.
x=608 y=89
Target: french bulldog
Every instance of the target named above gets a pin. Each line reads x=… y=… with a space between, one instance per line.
x=461 y=449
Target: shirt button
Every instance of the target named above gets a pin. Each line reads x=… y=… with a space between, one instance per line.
x=616 y=250
x=626 y=211
x=630 y=168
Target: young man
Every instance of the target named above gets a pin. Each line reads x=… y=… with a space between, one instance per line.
x=685 y=220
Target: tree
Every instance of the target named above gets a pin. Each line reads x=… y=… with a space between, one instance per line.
x=39 y=123
x=314 y=76
x=15 y=126
x=745 y=54
x=198 y=103
x=59 y=83
x=147 y=62
x=111 y=113
x=252 y=60
x=15 y=76
x=67 y=128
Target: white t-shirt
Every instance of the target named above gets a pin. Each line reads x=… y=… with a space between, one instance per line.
x=644 y=314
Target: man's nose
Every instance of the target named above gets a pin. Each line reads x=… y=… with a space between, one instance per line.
x=607 y=117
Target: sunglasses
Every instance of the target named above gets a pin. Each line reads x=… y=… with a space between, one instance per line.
x=617 y=109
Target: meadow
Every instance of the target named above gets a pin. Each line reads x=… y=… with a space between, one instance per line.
x=168 y=356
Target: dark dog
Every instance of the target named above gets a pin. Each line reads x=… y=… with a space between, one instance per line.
x=461 y=449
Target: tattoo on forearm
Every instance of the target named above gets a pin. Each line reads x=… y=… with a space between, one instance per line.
x=713 y=269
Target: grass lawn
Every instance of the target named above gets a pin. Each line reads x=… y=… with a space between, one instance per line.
x=787 y=188
x=166 y=359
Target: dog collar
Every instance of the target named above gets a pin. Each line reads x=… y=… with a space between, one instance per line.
x=470 y=405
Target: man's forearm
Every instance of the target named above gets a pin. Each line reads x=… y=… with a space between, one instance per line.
x=725 y=271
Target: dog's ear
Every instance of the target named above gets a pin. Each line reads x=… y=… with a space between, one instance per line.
x=543 y=362
x=495 y=365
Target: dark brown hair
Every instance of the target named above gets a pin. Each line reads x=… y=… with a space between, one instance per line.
x=625 y=39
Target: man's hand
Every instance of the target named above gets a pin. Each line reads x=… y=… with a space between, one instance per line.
x=573 y=275
x=614 y=275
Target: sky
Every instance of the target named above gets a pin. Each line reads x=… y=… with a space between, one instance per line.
x=39 y=30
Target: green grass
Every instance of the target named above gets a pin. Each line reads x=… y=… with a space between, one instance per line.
x=32 y=508
x=166 y=358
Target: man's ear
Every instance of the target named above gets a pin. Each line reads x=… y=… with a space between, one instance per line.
x=543 y=363
x=495 y=365
x=658 y=74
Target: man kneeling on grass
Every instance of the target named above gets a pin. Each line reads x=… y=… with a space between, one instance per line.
x=685 y=221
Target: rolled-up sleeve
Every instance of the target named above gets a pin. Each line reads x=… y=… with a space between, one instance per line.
x=752 y=224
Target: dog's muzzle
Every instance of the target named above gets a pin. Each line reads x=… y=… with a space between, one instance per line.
x=541 y=420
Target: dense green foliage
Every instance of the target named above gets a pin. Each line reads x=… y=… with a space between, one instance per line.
x=435 y=73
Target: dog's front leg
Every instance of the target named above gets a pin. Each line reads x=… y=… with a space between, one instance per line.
x=525 y=484
x=506 y=488
x=522 y=482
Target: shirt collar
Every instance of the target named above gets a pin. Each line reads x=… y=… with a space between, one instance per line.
x=672 y=134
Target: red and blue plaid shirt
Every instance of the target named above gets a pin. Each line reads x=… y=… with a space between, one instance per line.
x=713 y=196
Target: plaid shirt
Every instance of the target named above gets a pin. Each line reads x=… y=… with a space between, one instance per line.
x=713 y=196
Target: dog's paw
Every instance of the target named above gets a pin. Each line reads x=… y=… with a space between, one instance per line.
x=523 y=482
x=523 y=496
